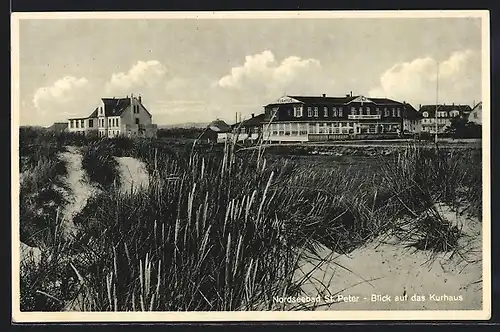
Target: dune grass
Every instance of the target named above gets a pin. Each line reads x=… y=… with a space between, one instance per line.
x=219 y=230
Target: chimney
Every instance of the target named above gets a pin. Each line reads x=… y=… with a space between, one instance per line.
x=347 y=95
x=324 y=95
x=351 y=93
x=140 y=99
x=253 y=114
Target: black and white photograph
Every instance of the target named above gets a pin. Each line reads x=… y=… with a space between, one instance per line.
x=246 y=166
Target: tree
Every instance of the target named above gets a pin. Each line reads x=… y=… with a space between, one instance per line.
x=462 y=128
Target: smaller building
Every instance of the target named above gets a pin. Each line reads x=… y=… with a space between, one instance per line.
x=476 y=114
x=445 y=113
x=217 y=131
x=249 y=129
x=58 y=127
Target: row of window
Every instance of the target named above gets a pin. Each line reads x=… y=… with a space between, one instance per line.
x=432 y=120
x=110 y=133
x=305 y=129
x=443 y=114
x=77 y=123
x=314 y=112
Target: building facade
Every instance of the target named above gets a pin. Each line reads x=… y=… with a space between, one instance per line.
x=445 y=113
x=249 y=129
x=116 y=117
x=476 y=114
x=305 y=118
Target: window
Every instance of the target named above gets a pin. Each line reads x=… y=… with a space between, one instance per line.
x=368 y=111
x=353 y=111
x=361 y=111
x=91 y=123
x=77 y=124
x=312 y=128
x=137 y=121
x=399 y=112
x=386 y=111
x=118 y=122
x=334 y=111
x=378 y=111
x=298 y=111
x=325 y=109
x=309 y=112
x=340 y=111
x=393 y=112
x=109 y=122
x=425 y=114
x=302 y=129
x=82 y=123
x=71 y=123
x=315 y=112
x=100 y=110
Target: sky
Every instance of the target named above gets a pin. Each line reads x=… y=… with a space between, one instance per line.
x=198 y=70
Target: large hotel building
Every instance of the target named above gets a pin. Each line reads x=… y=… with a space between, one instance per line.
x=300 y=118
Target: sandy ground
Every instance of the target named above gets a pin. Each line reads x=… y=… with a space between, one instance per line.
x=389 y=269
x=80 y=188
x=133 y=174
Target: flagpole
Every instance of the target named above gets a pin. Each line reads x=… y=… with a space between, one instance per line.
x=437 y=98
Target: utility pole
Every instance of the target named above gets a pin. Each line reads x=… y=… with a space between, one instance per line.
x=437 y=98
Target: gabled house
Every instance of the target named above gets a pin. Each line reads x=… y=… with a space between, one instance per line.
x=445 y=113
x=476 y=114
x=114 y=117
x=217 y=131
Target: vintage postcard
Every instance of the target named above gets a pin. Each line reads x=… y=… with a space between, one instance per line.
x=250 y=166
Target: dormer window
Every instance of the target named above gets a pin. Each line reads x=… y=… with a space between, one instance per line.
x=454 y=113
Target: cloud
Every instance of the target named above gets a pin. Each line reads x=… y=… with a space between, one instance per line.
x=60 y=91
x=263 y=70
x=67 y=95
x=415 y=81
x=143 y=75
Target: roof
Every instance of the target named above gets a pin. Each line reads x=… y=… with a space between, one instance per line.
x=478 y=106
x=94 y=114
x=430 y=109
x=219 y=126
x=115 y=107
x=58 y=126
x=409 y=112
x=253 y=121
x=338 y=100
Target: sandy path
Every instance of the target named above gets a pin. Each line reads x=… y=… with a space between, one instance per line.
x=80 y=189
x=133 y=174
x=395 y=271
